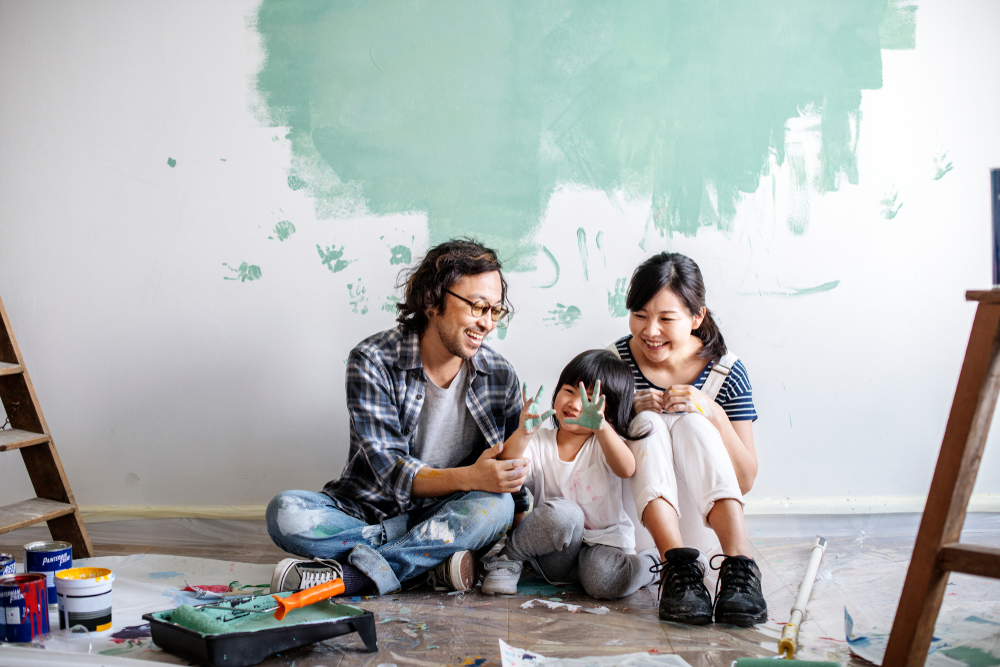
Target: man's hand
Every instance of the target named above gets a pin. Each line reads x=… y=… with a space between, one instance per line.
x=489 y=474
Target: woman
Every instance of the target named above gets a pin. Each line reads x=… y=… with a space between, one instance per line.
x=695 y=404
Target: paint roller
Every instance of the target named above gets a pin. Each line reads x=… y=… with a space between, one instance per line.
x=306 y=597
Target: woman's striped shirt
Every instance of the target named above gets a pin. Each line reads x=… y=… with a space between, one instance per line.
x=735 y=396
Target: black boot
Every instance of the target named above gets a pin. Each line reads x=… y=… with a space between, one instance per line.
x=683 y=596
x=738 y=598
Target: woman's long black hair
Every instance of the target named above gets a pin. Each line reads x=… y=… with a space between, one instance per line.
x=617 y=384
x=681 y=275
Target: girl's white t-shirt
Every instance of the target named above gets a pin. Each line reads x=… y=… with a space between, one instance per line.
x=588 y=481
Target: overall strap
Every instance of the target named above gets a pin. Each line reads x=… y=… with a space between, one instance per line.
x=614 y=348
x=717 y=376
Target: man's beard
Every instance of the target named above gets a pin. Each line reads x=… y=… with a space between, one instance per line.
x=454 y=343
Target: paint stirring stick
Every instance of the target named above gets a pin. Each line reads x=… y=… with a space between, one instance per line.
x=307 y=597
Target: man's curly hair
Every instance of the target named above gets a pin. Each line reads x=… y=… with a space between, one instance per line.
x=426 y=284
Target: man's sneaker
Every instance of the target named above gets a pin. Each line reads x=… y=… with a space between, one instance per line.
x=457 y=572
x=296 y=574
x=501 y=576
x=683 y=596
x=738 y=597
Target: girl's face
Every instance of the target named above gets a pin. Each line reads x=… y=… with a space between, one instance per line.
x=663 y=326
x=568 y=404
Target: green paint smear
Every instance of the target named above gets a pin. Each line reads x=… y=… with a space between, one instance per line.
x=171 y=162
x=552 y=258
x=358 y=298
x=390 y=304
x=581 y=244
x=974 y=657
x=600 y=246
x=244 y=272
x=503 y=325
x=890 y=206
x=805 y=291
x=284 y=229
x=616 y=299
x=400 y=255
x=564 y=316
x=333 y=258
x=474 y=113
x=941 y=165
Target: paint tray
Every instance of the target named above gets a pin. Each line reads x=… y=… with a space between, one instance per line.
x=249 y=645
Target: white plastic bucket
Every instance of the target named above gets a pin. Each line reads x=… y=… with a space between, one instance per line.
x=84 y=595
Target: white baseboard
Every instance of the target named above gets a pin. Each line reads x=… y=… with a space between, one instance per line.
x=983 y=502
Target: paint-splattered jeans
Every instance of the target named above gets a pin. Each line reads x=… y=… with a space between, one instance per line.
x=309 y=525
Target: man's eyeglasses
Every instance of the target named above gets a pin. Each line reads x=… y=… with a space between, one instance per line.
x=497 y=312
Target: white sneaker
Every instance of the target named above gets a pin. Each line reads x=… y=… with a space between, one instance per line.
x=296 y=574
x=501 y=577
x=457 y=572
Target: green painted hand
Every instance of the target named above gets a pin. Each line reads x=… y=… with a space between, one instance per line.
x=530 y=417
x=592 y=413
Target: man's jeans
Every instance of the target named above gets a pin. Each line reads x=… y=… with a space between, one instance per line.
x=308 y=524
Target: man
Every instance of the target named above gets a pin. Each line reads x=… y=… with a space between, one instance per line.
x=430 y=408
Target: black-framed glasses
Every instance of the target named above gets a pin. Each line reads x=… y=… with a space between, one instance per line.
x=497 y=312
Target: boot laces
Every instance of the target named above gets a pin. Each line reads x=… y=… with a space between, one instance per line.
x=679 y=575
x=737 y=572
x=309 y=577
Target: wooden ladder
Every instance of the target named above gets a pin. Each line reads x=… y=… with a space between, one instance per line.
x=937 y=550
x=29 y=433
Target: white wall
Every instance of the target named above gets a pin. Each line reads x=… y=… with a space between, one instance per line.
x=164 y=384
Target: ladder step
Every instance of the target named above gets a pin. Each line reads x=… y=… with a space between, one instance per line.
x=10 y=369
x=29 y=512
x=15 y=439
x=970 y=559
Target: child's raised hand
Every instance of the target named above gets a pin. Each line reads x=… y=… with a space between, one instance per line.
x=532 y=415
x=592 y=412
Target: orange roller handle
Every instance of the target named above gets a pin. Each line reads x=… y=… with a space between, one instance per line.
x=307 y=597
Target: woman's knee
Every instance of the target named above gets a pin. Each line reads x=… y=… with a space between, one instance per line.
x=695 y=428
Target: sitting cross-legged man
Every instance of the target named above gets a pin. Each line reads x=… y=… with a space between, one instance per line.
x=430 y=407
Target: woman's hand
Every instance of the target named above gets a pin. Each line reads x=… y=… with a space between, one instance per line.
x=648 y=400
x=685 y=398
x=532 y=415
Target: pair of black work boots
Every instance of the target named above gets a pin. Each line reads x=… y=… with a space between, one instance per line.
x=684 y=598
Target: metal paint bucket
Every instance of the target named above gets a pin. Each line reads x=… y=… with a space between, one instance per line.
x=48 y=558
x=7 y=565
x=85 y=598
x=23 y=602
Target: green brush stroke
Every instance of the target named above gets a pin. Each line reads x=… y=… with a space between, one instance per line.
x=400 y=255
x=974 y=657
x=825 y=287
x=244 y=272
x=283 y=230
x=616 y=299
x=564 y=316
x=581 y=243
x=332 y=258
x=552 y=258
x=171 y=162
x=474 y=113
x=600 y=246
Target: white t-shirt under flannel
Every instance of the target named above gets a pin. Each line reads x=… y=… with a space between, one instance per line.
x=588 y=481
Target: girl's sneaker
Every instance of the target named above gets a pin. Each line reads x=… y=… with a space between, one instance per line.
x=683 y=596
x=501 y=577
x=738 y=596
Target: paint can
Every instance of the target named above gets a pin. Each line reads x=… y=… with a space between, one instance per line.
x=24 y=605
x=85 y=598
x=7 y=565
x=48 y=558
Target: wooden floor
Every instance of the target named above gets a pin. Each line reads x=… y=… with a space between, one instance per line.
x=422 y=627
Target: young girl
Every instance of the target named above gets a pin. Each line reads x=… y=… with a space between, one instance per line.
x=578 y=529
x=696 y=402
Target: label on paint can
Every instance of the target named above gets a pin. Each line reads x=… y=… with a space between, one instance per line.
x=23 y=601
x=7 y=565
x=85 y=598
x=48 y=558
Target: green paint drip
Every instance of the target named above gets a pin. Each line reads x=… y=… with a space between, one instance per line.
x=616 y=299
x=332 y=258
x=941 y=165
x=564 y=316
x=283 y=230
x=600 y=246
x=581 y=243
x=171 y=162
x=474 y=113
x=244 y=272
x=552 y=258
x=400 y=255
x=358 y=298
x=974 y=657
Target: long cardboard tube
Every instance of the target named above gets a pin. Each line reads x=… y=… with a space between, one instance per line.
x=790 y=633
x=307 y=597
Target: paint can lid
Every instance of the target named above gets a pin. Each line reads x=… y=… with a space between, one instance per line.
x=20 y=579
x=47 y=546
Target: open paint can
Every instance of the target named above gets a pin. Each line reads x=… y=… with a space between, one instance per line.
x=85 y=598
x=24 y=608
x=7 y=565
x=48 y=558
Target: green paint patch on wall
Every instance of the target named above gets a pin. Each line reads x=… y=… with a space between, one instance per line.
x=171 y=162
x=473 y=113
x=400 y=255
x=244 y=272
x=283 y=230
x=332 y=257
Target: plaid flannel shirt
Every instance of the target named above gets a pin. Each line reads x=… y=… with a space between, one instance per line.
x=385 y=392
